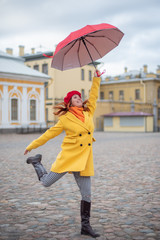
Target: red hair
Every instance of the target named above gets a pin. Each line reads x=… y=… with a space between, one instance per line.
x=62 y=108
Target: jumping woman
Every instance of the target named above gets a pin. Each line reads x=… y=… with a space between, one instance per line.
x=76 y=119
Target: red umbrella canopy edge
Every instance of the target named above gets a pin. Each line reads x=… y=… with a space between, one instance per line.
x=82 y=32
x=97 y=39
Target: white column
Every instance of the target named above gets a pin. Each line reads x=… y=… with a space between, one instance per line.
x=42 y=107
x=5 y=107
x=24 y=107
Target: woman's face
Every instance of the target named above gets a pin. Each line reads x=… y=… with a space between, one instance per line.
x=76 y=101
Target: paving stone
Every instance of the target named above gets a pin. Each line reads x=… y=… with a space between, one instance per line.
x=146 y=230
x=125 y=190
x=151 y=235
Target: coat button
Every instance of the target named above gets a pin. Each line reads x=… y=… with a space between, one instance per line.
x=80 y=134
x=89 y=133
x=81 y=145
x=89 y=144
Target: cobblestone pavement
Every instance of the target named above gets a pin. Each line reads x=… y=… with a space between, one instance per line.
x=125 y=190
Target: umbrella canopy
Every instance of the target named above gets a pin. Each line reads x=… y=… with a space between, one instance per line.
x=86 y=45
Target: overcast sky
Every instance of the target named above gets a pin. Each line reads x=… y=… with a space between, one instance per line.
x=35 y=23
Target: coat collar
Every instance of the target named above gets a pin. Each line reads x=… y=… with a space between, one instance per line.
x=73 y=118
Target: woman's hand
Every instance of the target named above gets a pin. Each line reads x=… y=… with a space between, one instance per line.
x=97 y=73
x=26 y=151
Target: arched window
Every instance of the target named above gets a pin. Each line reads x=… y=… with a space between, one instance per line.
x=159 y=93
x=15 y=104
x=33 y=106
x=32 y=110
x=14 y=109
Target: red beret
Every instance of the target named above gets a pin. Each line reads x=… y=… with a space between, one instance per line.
x=70 y=94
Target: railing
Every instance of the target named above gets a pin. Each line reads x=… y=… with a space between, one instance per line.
x=26 y=129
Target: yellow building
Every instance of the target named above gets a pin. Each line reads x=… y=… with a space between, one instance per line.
x=134 y=89
x=61 y=82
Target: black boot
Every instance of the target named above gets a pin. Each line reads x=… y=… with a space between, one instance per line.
x=36 y=162
x=85 y=215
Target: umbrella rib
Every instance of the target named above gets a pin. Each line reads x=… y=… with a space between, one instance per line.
x=78 y=52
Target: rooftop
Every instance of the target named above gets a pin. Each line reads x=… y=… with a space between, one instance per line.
x=132 y=76
x=129 y=80
x=35 y=56
x=11 y=65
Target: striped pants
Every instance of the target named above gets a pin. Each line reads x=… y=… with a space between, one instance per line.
x=84 y=183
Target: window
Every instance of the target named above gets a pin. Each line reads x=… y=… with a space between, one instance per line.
x=14 y=109
x=90 y=75
x=32 y=110
x=108 y=122
x=158 y=113
x=132 y=121
x=82 y=94
x=101 y=95
x=137 y=94
x=159 y=93
x=121 y=95
x=82 y=74
x=47 y=114
x=45 y=68
x=36 y=67
x=46 y=92
x=46 y=89
x=111 y=96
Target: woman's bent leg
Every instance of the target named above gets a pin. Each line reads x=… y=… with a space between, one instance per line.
x=47 y=179
x=50 y=178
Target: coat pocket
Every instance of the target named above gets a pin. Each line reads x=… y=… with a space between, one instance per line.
x=69 y=140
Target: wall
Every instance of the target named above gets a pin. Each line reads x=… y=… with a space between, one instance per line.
x=69 y=80
x=128 y=88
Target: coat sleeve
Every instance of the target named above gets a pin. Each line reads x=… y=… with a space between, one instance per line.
x=93 y=96
x=49 y=134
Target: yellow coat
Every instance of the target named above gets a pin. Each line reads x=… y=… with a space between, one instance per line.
x=76 y=154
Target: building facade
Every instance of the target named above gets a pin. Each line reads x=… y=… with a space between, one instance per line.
x=137 y=91
x=22 y=100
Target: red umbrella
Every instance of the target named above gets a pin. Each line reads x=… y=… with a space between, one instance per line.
x=85 y=46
